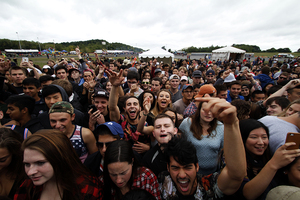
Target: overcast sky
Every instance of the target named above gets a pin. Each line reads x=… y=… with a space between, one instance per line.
x=175 y=24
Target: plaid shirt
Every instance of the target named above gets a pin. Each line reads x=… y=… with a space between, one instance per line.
x=88 y=191
x=190 y=110
x=145 y=180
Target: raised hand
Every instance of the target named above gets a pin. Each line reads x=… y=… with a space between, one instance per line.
x=220 y=108
x=116 y=79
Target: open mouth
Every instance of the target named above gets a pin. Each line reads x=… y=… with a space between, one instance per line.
x=132 y=113
x=184 y=184
x=163 y=103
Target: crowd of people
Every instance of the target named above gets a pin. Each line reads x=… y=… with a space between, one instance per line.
x=126 y=129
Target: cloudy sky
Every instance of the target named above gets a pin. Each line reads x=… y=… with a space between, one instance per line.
x=175 y=24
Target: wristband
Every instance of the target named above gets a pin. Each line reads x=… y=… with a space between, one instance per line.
x=145 y=114
x=91 y=90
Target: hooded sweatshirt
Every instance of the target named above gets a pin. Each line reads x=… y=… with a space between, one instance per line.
x=79 y=116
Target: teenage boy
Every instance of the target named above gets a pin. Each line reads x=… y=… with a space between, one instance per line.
x=164 y=131
x=32 y=87
x=101 y=115
x=19 y=109
x=130 y=120
x=53 y=94
x=182 y=162
x=105 y=134
x=276 y=105
x=174 y=83
x=61 y=115
x=18 y=74
x=156 y=85
x=234 y=91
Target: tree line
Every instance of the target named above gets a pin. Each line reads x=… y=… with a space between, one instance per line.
x=246 y=47
x=85 y=46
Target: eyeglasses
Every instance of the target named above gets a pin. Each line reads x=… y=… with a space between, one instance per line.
x=145 y=82
x=101 y=144
x=282 y=78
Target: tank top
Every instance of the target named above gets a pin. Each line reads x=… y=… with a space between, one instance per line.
x=78 y=143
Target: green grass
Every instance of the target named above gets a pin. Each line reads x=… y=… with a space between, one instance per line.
x=41 y=61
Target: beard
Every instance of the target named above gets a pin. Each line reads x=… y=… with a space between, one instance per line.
x=128 y=115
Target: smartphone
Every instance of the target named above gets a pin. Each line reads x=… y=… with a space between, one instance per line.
x=93 y=107
x=163 y=72
x=24 y=59
x=293 y=137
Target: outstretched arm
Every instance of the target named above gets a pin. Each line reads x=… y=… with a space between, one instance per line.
x=116 y=80
x=232 y=175
x=282 y=157
x=279 y=93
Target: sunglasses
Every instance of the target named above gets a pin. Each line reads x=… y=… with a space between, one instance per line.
x=283 y=78
x=145 y=82
x=101 y=144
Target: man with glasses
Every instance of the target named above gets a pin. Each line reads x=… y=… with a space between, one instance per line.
x=146 y=84
x=282 y=78
x=105 y=134
x=187 y=96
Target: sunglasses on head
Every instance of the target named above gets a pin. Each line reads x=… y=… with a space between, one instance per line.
x=101 y=144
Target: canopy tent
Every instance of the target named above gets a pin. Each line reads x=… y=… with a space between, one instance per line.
x=227 y=53
x=159 y=54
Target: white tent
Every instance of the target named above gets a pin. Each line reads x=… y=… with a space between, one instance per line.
x=227 y=53
x=159 y=54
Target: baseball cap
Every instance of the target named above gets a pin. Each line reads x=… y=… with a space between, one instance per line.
x=210 y=72
x=284 y=192
x=174 y=76
x=115 y=128
x=206 y=89
x=62 y=106
x=101 y=93
x=46 y=67
x=197 y=74
x=229 y=78
x=243 y=68
x=133 y=69
x=184 y=78
x=187 y=86
x=73 y=68
x=157 y=70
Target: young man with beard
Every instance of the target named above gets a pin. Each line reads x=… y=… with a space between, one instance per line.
x=182 y=181
x=61 y=115
x=164 y=131
x=129 y=121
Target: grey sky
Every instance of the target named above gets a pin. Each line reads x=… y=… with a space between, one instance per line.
x=146 y=24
